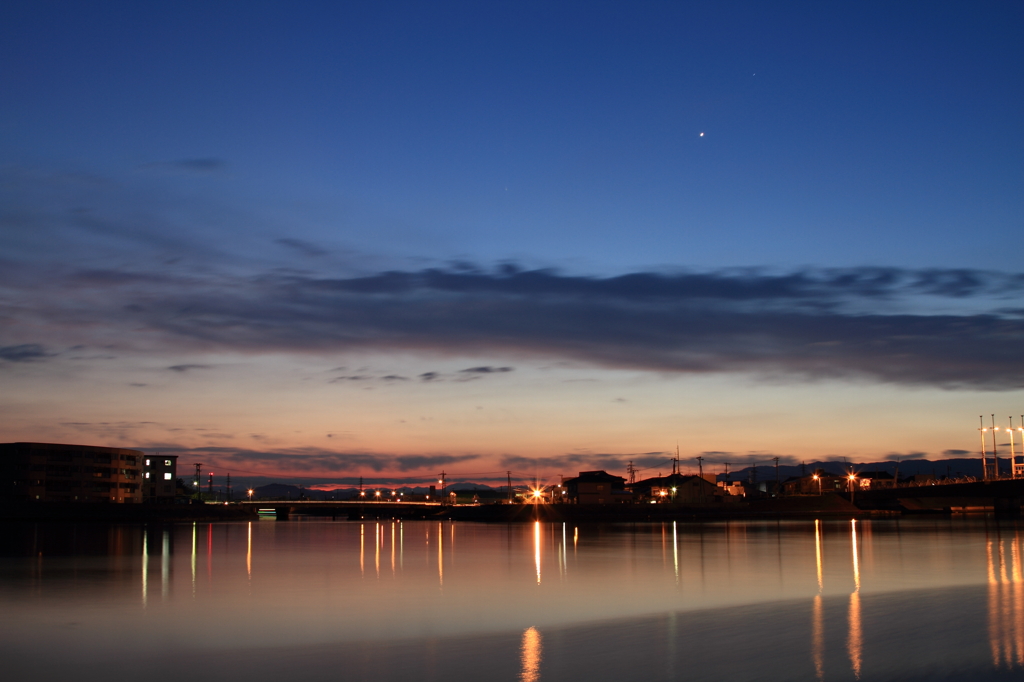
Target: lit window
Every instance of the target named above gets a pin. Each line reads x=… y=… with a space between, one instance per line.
x=147 y=474
x=167 y=462
x=167 y=476
x=147 y=462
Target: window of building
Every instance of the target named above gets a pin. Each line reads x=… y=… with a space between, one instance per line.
x=147 y=462
x=167 y=476
x=167 y=462
x=147 y=474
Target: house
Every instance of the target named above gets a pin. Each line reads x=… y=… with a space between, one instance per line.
x=733 y=488
x=872 y=480
x=159 y=474
x=678 y=489
x=819 y=482
x=597 y=487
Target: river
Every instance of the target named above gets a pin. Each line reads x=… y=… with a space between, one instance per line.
x=315 y=599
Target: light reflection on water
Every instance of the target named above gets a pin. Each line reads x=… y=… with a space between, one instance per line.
x=836 y=595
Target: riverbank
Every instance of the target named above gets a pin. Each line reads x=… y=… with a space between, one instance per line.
x=122 y=513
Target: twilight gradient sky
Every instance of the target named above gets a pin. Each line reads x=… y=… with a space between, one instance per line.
x=326 y=240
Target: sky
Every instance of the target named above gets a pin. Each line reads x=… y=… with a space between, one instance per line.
x=310 y=242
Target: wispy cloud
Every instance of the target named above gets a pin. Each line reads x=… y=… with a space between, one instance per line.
x=303 y=247
x=187 y=368
x=25 y=352
x=300 y=461
x=486 y=370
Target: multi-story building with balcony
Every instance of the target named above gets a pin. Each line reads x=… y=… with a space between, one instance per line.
x=57 y=472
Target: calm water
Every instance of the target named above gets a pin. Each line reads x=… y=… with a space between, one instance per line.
x=311 y=599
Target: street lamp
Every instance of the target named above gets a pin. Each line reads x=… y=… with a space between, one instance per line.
x=853 y=478
x=250 y=492
x=817 y=478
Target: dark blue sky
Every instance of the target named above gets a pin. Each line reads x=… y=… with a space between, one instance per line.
x=397 y=235
x=561 y=134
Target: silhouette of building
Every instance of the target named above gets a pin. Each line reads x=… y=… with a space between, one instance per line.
x=158 y=478
x=677 y=488
x=57 y=472
x=597 y=487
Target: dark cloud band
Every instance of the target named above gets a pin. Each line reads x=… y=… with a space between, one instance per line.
x=810 y=324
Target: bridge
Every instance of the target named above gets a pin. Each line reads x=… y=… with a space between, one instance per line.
x=352 y=509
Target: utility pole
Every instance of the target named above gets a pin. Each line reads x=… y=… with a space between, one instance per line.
x=675 y=462
x=1013 y=453
x=209 y=490
x=896 y=479
x=726 y=472
x=984 y=455
x=700 y=466
x=778 y=489
x=199 y=470
x=995 y=455
x=631 y=470
x=227 y=486
x=441 y=481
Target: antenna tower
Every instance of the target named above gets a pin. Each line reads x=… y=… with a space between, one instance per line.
x=199 y=471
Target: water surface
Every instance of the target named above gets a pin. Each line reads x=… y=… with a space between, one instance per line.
x=933 y=598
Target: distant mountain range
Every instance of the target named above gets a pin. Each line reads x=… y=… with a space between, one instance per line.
x=954 y=468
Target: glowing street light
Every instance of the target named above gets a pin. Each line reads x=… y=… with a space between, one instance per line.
x=249 y=492
x=817 y=478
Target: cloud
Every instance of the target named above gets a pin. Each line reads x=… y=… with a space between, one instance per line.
x=187 y=368
x=916 y=328
x=957 y=453
x=25 y=352
x=299 y=461
x=572 y=463
x=303 y=247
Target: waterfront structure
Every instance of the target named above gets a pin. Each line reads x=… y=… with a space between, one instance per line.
x=597 y=487
x=59 y=472
x=159 y=475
